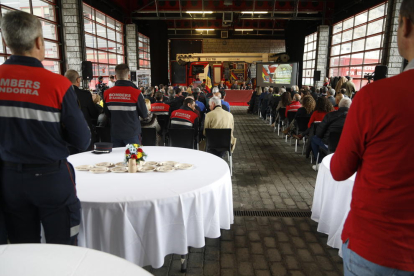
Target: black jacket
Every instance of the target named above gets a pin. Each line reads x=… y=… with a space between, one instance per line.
x=89 y=109
x=176 y=103
x=274 y=102
x=332 y=122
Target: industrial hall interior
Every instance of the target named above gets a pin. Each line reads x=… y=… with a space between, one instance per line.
x=206 y=138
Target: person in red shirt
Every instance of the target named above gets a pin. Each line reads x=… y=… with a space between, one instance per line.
x=294 y=105
x=378 y=235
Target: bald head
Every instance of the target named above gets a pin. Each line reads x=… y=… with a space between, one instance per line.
x=73 y=77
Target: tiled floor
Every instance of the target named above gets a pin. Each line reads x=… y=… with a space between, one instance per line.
x=267 y=175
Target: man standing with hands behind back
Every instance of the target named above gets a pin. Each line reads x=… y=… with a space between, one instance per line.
x=37 y=121
x=124 y=104
x=378 y=235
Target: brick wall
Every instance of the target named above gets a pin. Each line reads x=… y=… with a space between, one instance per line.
x=395 y=61
x=132 y=49
x=72 y=34
x=322 y=53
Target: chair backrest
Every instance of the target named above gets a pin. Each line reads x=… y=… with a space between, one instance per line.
x=282 y=112
x=314 y=126
x=302 y=122
x=334 y=140
x=149 y=136
x=181 y=137
x=218 y=139
x=163 y=121
x=291 y=115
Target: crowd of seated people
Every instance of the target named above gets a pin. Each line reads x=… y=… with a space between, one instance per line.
x=284 y=105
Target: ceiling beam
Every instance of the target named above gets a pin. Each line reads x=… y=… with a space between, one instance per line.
x=213 y=18
x=272 y=12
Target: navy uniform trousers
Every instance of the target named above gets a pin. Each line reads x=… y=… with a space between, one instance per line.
x=33 y=194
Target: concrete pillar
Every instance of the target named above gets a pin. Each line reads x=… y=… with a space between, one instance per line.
x=321 y=60
x=395 y=61
x=132 y=47
x=72 y=32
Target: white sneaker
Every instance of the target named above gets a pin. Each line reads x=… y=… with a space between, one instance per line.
x=315 y=168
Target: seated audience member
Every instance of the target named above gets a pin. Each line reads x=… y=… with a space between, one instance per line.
x=223 y=97
x=285 y=100
x=294 y=105
x=219 y=118
x=331 y=96
x=185 y=117
x=159 y=107
x=332 y=122
x=149 y=94
x=343 y=92
x=264 y=102
x=222 y=85
x=86 y=103
x=177 y=101
x=313 y=93
x=308 y=106
x=323 y=107
x=200 y=105
x=273 y=103
x=151 y=122
x=303 y=93
x=338 y=98
x=225 y=105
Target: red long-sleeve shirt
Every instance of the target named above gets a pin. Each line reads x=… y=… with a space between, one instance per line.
x=375 y=143
x=294 y=106
x=317 y=116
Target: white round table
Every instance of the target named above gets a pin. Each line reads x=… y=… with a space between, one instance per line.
x=143 y=217
x=331 y=203
x=53 y=259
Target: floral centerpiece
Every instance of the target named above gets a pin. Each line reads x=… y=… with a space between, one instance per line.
x=134 y=151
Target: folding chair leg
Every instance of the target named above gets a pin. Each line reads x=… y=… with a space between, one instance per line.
x=286 y=138
x=317 y=158
x=304 y=143
x=183 y=263
x=231 y=165
x=296 y=145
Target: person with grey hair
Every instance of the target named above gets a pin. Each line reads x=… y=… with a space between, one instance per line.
x=332 y=122
x=88 y=105
x=378 y=233
x=221 y=94
x=219 y=118
x=330 y=96
x=39 y=117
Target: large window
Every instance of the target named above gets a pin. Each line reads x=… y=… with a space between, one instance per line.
x=357 y=44
x=144 y=72
x=46 y=12
x=104 y=41
x=309 y=56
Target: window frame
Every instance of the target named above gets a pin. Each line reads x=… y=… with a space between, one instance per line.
x=335 y=70
x=120 y=55
x=310 y=39
x=5 y=52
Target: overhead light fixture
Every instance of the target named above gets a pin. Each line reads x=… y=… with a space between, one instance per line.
x=245 y=30
x=209 y=12
x=255 y=12
x=205 y=30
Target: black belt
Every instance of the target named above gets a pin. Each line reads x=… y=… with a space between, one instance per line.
x=30 y=166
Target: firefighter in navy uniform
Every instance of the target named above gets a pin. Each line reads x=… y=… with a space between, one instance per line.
x=124 y=104
x=39 y=117
x=185 y=117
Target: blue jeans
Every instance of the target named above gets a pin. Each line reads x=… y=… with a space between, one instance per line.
x=356 y=265
x=116 y=143
x=315 y=143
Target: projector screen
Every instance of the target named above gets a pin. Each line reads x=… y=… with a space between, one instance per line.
x=277 y=74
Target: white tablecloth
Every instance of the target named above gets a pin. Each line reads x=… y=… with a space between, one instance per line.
x=53 y=260
x=143 y=217
x=331 y=203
